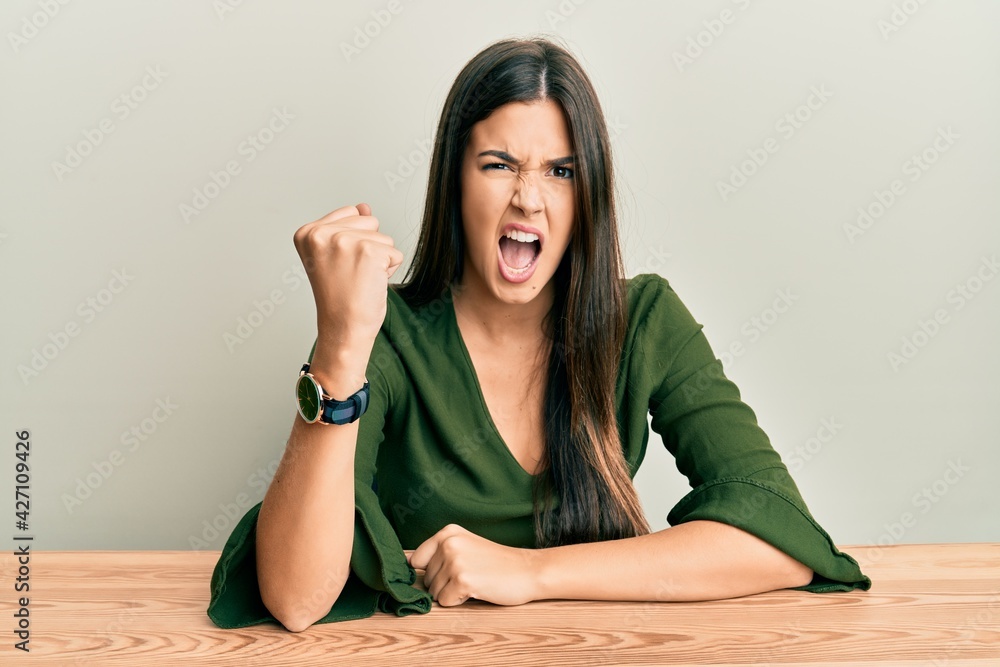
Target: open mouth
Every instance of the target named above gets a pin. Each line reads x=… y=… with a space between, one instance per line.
x=518 y=252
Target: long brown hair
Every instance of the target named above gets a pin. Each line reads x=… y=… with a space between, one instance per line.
x=584 y=492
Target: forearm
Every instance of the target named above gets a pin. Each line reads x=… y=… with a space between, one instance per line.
x=696 y=560
x=305 y=526
x=305 y=529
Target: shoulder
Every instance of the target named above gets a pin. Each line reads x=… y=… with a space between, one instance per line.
x=400 y=327
x=644 y=289
x=403 y=320
x=657 y=318
x=412 y=336
x=650 y=295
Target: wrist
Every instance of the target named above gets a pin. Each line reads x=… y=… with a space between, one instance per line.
x=339 y=374
x=540 y=574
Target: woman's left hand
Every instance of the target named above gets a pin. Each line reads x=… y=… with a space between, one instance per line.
x=459 y=565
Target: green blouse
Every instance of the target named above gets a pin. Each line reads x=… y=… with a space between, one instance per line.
x=429 y=454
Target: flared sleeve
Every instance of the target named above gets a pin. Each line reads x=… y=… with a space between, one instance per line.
x=380 y=577
x=735 y=474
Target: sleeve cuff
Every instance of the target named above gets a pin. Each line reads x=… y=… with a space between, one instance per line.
x=372 y=584
x=378 y=560
x=767 y=512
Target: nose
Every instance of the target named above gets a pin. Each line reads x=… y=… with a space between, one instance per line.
x=527 y=195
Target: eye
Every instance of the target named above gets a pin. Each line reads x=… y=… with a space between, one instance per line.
x=495 y=166
x=562 y=172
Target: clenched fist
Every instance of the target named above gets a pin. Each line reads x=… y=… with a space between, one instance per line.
x=349 y=263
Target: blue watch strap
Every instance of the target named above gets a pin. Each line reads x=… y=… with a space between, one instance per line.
x=345 y=412
x=342 y=412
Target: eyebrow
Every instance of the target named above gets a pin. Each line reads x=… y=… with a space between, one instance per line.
x=507 y=157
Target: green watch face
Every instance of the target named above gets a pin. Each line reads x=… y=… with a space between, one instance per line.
x=309 y=400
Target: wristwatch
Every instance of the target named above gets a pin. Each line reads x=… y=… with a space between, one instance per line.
x=316 y=406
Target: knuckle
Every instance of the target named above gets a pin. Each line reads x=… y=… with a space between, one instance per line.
x=313 y=237
x=299 y=237
x=452 y=546
x=339 y=241
x=369 y=249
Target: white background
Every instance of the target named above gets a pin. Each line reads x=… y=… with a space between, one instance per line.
x=688 y=91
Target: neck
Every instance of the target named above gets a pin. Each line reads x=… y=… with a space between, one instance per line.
x=476 y=308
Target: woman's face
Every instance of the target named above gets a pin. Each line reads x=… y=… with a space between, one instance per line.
x=518 y=199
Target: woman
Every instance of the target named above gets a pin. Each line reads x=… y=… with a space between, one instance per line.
x=501 y=396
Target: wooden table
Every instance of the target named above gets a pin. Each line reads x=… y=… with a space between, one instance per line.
x=929 y=605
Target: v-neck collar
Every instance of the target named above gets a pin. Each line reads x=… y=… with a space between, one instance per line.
x=452 y=321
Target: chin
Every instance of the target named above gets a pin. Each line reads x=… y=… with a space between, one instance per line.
x=521 y=293
x=517 y=297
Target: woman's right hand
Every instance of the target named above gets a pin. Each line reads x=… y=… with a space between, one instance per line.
x=349 y=263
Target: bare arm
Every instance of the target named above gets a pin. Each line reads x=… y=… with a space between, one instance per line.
x=696 y=560
x=305 y=529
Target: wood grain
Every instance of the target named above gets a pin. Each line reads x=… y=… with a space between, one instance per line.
x=929 y=605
